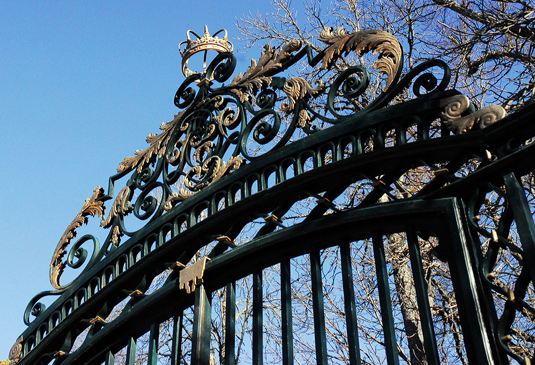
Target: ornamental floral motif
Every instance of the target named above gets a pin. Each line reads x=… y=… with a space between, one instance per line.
x=91 y=207
x=378 y=41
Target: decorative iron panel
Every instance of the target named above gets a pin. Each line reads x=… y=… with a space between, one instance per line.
x=265 y=146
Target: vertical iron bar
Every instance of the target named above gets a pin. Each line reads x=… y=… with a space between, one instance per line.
x=426 y=319
x=131 y=352
x=230 y=324
x=349 y=304
x=522 y=215
x=384 y=299
x=257 y=318
x=286 y=309
x=317 y=305
x=176 y=350
x=467 y=286
x=153 y=344
x=200 y=352
x=110 y=358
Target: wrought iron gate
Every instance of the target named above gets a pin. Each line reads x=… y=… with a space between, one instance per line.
x=320 y=175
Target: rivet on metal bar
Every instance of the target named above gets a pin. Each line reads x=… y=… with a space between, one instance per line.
x=177 y=265
x=476 y=218
x=200 y=103
x=97 y=319
x=511 y=295
x=506 y=338
x=59 y=353
x=491 y=276
x=226 y=240
x=323 y=200
x=135 y=293
x=327 y=202
x=271 y=217
x=494 y=236
x=204 y=82
x=441 y=172
x=192 y=275
x=381 y=184
x=274 y=219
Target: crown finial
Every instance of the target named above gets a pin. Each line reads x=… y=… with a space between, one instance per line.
x=205 y=43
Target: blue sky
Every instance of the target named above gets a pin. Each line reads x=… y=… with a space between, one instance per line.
x=81 y=86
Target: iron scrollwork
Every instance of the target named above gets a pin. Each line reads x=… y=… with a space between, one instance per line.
x=222 y=128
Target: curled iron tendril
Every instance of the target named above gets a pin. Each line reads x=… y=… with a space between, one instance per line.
x=220 y=71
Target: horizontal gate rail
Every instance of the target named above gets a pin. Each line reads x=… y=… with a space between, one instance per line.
x=374 y=164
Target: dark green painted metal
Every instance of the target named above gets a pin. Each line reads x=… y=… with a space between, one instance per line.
x=349 y=305
x=286 y=313
x=465 y=280
x=110 y=358
x=131 y=352
x=176 y=344
x=258 y=323
x=153 y=344
x=230 y=324
x=446 y=206
x=522 y=216
x=424 y=309
x=317 y=304
x=383 y=288
x=200 y=352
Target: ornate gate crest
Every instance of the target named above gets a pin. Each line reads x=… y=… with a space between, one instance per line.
x=244 y=149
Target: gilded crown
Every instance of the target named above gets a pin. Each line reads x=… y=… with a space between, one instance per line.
x=205 y=43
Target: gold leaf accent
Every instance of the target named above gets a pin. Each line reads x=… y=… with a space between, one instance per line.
x=175 y=198
x=378 y=41
x=157 y=142
x=219 y=170
x=225 y=168
x=297 y=88
x=121 y=207
x=91 y=207
x=205 y=43
x=192 y=275
x=115 y=235
x=304 y=119
x=16 y=349
x=258 y=75
x=456 y=105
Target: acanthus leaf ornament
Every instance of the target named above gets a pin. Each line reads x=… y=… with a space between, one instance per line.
x=258 y=75
x=377 y=41
x=92 y=206
x=158 y=143
x=297 y=88
x=121 y=207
